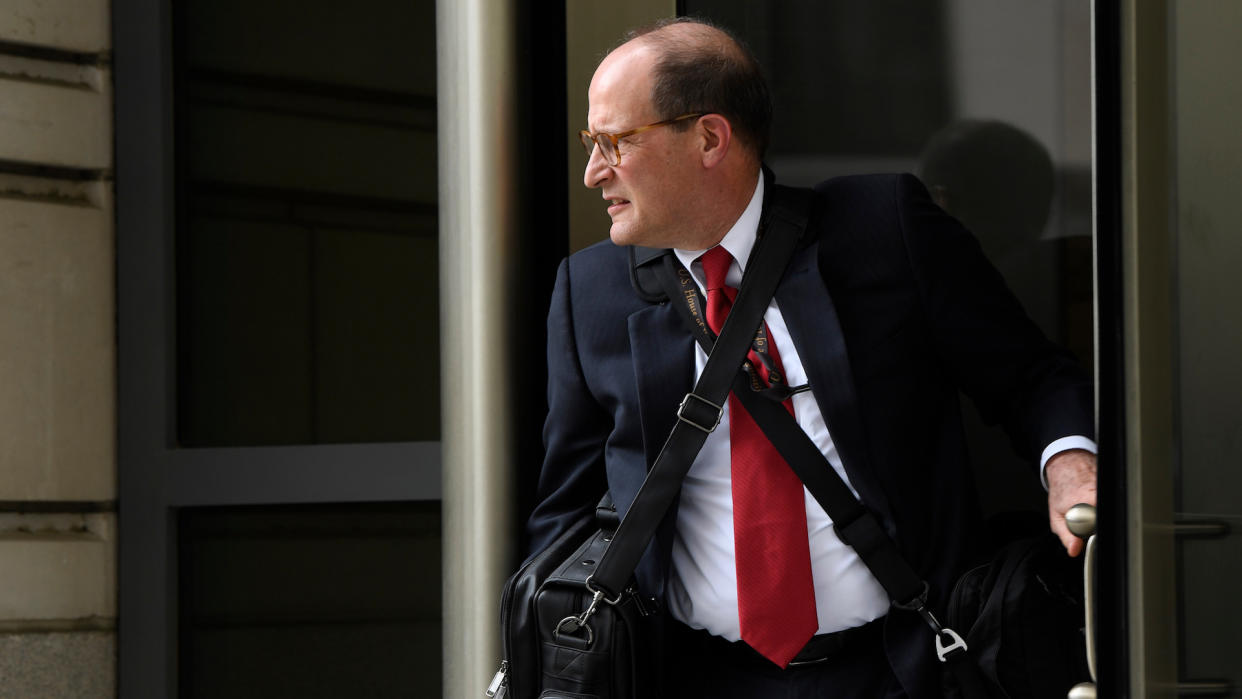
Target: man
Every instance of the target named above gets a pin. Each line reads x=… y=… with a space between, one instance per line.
x=884 y=289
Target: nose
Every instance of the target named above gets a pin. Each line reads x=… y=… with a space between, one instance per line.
x=597 y=170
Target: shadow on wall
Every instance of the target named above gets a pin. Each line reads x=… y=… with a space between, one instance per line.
x=1000 y=182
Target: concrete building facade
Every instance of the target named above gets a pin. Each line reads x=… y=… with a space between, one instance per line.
x=57 y=351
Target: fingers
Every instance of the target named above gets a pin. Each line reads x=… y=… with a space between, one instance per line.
x=1073 y=545
x=1071 y=480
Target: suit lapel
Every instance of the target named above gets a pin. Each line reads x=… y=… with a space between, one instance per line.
x=663 y=356
x=816 y=331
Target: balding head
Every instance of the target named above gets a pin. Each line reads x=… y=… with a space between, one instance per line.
x=683 y=170
x=700 y=68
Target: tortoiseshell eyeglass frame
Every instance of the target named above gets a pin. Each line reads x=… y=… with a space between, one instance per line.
x=609 y=143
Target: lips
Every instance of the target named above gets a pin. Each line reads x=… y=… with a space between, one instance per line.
x=616 y=204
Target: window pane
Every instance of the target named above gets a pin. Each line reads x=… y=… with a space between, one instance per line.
x=307 y=281
x=1206 y=177
x=310 y=601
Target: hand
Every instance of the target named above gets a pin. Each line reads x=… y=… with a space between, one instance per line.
x=1071 y=480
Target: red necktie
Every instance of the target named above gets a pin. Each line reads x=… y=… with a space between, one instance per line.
x=775 y=592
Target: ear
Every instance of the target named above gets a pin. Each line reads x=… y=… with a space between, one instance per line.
x=716 y=134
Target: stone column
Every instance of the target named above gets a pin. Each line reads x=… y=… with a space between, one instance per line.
x=57 y=352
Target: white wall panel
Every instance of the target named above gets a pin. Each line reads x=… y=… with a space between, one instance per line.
x=52 y=123
x=57 y=567
x=73 y=25
x=57 y=365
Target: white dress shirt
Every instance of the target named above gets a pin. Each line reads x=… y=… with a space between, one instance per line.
x=702 y=591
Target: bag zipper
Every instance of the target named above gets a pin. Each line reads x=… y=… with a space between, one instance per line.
x=499 y=681
x=501 y=678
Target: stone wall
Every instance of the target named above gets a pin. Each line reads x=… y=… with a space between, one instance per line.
x=57 y=352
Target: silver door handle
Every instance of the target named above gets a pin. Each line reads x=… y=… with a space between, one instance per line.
x=1081 y=521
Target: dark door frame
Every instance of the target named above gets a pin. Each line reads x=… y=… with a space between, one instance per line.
x=1112 y=619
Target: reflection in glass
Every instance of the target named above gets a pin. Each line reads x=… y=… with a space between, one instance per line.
x=1000 y=182
x=988 y=101
x=307 y=288
x=310 y=601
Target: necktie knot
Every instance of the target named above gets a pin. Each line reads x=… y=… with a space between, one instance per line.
x=716 y=263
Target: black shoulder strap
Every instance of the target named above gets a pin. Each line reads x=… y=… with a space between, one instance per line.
x=700 y=410
x=854 y=523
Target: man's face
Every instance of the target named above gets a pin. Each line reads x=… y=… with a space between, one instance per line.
x=648 y=192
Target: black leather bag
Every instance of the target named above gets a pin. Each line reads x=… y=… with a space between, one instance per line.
x=553 y=646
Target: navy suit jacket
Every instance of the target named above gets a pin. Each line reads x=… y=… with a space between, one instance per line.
x=893 y=308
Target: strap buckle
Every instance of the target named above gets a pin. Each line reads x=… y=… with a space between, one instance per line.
x=599 y=594
x=572 y=625
x=956 y=643
x=686 y=404
x=944 y=651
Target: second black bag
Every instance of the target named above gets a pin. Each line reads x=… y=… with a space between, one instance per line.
x=1025 y=618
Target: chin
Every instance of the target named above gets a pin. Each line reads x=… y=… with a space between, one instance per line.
x=621 y=235
x=629 y=234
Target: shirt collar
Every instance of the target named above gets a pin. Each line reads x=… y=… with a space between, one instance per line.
x=738 y=241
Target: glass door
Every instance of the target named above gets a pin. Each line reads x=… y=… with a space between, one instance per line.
x=1206 y=61
x=1181 y=65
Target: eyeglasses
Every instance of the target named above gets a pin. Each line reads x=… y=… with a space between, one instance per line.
x=607 y=142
